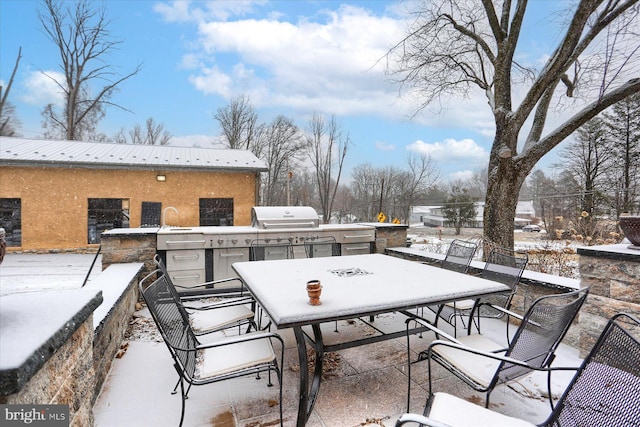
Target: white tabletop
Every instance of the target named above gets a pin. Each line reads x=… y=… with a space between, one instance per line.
x=353 y=286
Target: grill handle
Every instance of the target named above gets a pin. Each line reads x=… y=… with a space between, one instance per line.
x=288 y=224
x=182 y=242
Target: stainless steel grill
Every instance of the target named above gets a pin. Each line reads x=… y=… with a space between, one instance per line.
x=215 y=249
x=281 y=217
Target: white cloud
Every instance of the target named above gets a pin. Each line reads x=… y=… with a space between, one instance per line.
x=213 y=81
x=384 y=146
x=461 y=176
x=40 y=89
x=328 y=64
x=451 y=150
x=185 y=11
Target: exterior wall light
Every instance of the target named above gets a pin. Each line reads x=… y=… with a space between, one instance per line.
x=161 y=178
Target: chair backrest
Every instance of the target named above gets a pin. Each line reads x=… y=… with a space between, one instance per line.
x=171 y=319
x=539 y=335
x=505 y=266
x=172 y=287
x=325 y=246
x=459 y=256
x=606 y=389
x=263 y=249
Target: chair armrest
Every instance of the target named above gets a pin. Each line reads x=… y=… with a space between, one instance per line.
x=219 y=304
x=235 y=339
x=212 y=282
x=503 y=310
x=230 y=279
x=496 y=356
x=418 y=419
x=428 y=325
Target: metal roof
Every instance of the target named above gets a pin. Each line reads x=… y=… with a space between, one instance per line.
x=95 y=155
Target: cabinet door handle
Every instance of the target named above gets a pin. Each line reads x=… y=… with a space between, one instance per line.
x=182 y=257
x=236 y=255
x=355 y=248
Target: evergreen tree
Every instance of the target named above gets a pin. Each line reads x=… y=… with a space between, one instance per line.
x=459 y=208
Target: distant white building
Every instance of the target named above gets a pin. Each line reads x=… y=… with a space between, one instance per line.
x=432 y=216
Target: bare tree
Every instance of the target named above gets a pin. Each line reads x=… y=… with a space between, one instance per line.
x=365 y=185
x=153 y=133
x=8 y=120
x=407 y=186
x=282 y=145
x=623 y=123
x=587 y=158
x=327 y=151
x=453 y=46
x=239 y=124
x=390 y=189
x=81 y=35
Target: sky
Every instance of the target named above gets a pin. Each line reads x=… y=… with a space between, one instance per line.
x=289 y=57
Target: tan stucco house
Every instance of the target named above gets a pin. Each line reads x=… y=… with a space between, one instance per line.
x=63 y=194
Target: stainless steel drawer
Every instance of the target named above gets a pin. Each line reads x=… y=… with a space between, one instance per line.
x=355 y=248
x=188 y=278
x=181 y=241
x=357 y=236
x=188 y=259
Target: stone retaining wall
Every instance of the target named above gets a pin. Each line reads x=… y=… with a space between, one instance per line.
x=389 y=236
x=613 y=274
x=70 y=367
x=67 y=378
x=128 y=245
x=109 y=333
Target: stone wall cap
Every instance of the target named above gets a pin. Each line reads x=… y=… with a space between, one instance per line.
x=385 y=225
x=34 y=325
x=620 y=251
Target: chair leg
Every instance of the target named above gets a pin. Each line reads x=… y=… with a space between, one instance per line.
x=186 y=395
x=175 y=389
x=184 y=398
x=408 y=371
x=549 y=390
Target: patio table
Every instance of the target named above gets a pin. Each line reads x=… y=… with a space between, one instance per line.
x=352 y=287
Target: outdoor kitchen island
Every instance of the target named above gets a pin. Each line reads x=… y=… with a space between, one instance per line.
x=194 y=255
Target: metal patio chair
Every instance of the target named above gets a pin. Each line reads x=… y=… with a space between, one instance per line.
x=502 y=265
x=458 y=258
x=197 y=363
x=534 y=343
x=605 y=390
x=270 y=249
x=325 y=246
x=222 y=314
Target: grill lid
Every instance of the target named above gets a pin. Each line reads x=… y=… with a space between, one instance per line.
x=279 y=217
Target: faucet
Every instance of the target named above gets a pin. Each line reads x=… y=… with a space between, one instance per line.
x=164 y=214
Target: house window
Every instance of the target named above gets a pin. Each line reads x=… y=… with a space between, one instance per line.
x=216 y=211
x=105 y=214
x=151 y=213
x=10 y=220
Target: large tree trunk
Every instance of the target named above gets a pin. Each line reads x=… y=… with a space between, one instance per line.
x=505 y=178
x=500 y=207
